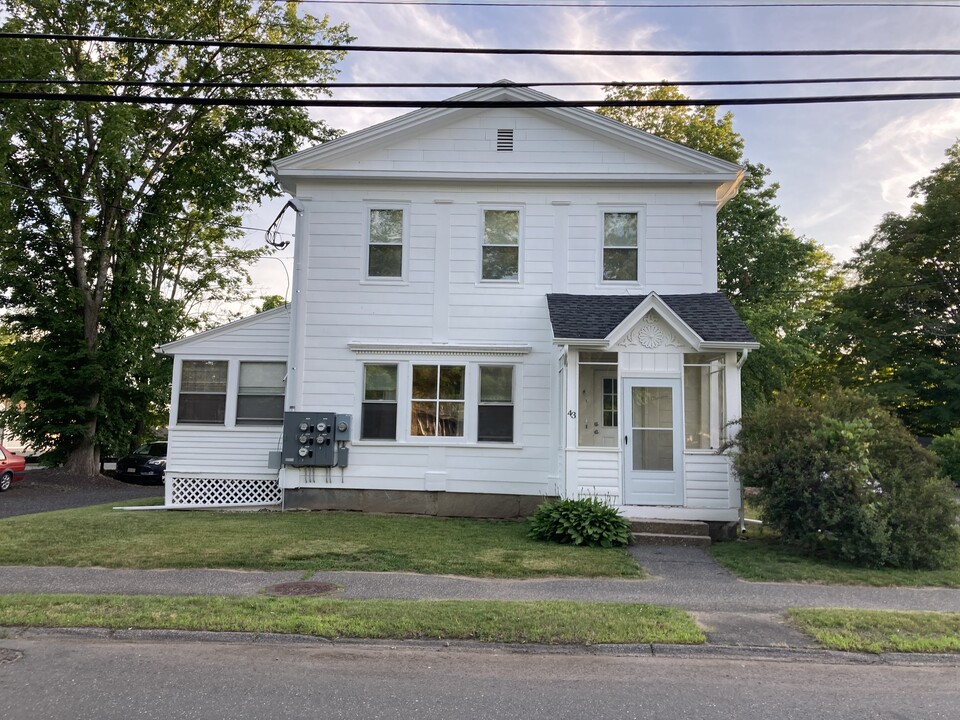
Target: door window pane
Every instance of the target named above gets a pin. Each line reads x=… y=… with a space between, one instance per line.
x=652 y=431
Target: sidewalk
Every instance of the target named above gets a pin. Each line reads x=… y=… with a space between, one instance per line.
x=735 y=612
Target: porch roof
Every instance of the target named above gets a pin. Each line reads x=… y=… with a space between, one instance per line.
x=594 y=317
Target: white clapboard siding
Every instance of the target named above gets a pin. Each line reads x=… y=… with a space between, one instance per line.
x=707 y=480
x=265 y=335
x=237 y=452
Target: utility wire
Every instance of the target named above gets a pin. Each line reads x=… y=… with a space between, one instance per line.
x=478 y=51
x=637 y=5
x=489 y=104
x=407 y=85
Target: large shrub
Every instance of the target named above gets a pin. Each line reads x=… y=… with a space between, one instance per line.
x=947 y=448
x=840 y=477
x=586 y=521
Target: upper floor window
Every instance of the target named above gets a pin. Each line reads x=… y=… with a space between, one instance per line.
x=203 y=392
x=260 y=393
x=385 y=246
x=501 y=245
x=621 y=247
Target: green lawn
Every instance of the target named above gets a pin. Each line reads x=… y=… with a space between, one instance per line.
x=550 y=622
x=307 y=541
x=877 y=631
x=762 y=558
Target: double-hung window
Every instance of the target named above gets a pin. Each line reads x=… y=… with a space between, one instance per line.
x=378 y=420
x=438 y=403
x=500 y=252
x=260 y=393
x=203 y=392
x=495 y=408
x=385 y=246
x=621 y=246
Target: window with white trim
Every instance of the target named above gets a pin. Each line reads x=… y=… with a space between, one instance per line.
x=203 y=392
x=495 y=406
x=437 y=407
x=500 y=251
x=704 y=402
x=260 y=393
x=378 y=415
x=385 y=243
x=621 y=246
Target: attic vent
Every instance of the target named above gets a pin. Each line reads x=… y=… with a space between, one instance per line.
x=504 y=140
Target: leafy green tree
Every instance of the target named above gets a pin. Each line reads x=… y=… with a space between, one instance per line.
x=897 y=327
x=117 y=219
x=840 y=476
x=780 y=283
x=271 y=302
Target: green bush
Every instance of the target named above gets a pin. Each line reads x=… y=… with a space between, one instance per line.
x=587 y=521
x=840 y=477
x=947 y=448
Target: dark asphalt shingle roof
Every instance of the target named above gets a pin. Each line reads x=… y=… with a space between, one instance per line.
x=593 y=317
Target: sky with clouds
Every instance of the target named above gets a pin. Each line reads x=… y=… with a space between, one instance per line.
x=840 y=167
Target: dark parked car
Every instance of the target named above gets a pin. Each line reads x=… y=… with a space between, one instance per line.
x=12 y=467
x=145 y=464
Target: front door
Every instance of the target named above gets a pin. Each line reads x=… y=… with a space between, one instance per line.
x=652 y=444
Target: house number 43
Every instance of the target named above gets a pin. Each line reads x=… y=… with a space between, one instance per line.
x=572 y=413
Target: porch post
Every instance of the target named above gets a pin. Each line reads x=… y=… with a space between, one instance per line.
x=570 y=421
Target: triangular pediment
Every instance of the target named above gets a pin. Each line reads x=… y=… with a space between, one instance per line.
x=653 y=325
x=543 y=142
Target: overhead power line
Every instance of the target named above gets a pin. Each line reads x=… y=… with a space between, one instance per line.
x=480 y=51
x=637 y=5
x=425 y=85
x=553 y=103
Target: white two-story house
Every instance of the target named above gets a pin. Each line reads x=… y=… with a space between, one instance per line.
x=498 y=304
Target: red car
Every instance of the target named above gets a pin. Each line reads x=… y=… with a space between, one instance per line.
x=12 y=467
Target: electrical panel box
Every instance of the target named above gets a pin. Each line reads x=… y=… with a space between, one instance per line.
x=309 y=439
x=343 y=428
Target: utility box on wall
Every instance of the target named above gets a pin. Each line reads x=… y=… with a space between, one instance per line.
x=315 y=439
x=308 y=439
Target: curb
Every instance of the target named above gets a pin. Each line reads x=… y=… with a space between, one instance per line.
x=652 y=650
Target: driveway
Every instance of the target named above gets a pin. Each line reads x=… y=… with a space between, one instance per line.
x=43 y=490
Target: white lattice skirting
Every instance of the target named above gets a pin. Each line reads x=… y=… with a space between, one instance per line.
x=215 y=492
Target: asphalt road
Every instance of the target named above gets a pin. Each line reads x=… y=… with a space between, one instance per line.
x=43 y=490
x=72 y=678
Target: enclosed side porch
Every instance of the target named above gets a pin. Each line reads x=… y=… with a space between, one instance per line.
x=647 y=409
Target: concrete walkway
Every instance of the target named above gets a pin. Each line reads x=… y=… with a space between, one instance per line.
x=734 y=612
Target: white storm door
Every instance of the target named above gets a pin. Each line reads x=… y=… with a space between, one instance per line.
x=652 y=442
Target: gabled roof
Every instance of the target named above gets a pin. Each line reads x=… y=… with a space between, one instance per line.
x=231 y=327
x=596 y=317
x=321 y=160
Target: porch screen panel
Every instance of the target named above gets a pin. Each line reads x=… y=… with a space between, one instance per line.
x=652 y=431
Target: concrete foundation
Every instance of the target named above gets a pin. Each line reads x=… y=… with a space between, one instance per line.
x=414 y=502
